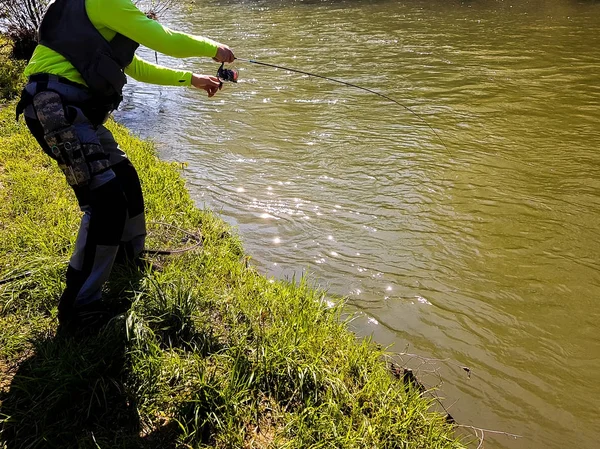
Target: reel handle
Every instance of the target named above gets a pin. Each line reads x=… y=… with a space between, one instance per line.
x=227 y=74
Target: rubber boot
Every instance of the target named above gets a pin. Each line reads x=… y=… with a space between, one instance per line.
x=76 y=319
x=75 y=280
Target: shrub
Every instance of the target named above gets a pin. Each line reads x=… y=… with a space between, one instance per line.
x=19 y=21
x=11 y=72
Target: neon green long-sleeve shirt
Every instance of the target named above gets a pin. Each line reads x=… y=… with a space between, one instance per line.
x=121 y=16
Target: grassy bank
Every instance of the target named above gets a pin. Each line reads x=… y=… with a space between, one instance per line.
x=207 y=352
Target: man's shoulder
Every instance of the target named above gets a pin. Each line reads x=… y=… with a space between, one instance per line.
x=104 y=10
x=109 y=5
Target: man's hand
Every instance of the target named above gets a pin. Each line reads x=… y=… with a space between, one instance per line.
x=224 y=54
x=211 y=84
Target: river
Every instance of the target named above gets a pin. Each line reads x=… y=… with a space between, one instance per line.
x=477 y=247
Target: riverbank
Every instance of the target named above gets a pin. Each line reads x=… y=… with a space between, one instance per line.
x=207 y=352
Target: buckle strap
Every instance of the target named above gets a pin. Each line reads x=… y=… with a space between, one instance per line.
x=96 y=109
x=27 y=99
x=46 y=78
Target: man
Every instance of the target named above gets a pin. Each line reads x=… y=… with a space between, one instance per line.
x=76 y=76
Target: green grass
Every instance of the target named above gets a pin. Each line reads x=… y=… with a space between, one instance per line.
x=208 y=353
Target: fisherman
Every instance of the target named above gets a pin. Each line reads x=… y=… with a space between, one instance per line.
x=76 y=76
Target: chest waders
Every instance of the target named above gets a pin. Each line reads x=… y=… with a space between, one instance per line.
x=66 y=118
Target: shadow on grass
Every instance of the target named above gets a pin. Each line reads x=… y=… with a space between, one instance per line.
x=72 y=393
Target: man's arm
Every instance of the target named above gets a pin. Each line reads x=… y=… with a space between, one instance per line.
x=123 y=17
x=147 y=72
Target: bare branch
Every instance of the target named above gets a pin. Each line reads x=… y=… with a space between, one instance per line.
x=155 y=8
x=19 y=20
x=401 y=371
x=22 y=15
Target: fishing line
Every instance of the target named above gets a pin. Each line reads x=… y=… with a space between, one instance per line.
x=345 y=83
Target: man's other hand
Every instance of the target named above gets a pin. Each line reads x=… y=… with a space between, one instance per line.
x=211 y=84
x=224 y=54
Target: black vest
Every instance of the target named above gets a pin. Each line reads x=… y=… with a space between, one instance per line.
x=67 y=29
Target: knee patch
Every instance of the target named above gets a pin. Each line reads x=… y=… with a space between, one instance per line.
x=130 y=181
x=108 y=213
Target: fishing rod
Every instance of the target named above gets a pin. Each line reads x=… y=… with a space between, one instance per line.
x=232 y=75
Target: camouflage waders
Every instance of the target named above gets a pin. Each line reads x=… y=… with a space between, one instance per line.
x=105 y=183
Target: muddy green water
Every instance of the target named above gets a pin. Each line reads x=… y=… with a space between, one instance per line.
x=484 y=253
